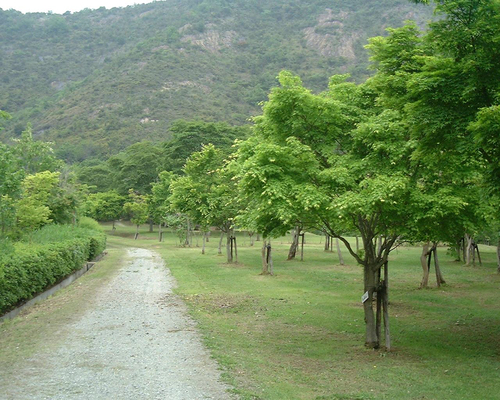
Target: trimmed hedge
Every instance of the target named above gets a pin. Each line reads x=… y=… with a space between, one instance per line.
x=26 y=273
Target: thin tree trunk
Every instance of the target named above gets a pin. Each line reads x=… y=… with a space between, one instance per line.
x=341 y=259
x=265 y=269
x=439 y=276
x=270 y=264
x=385 y=306
x=425 y=266
x=160 y=232
x=204 y=243
x=220 y=243
x=295 y=243
x=114 y=227
x=478 y=255
x=229 y=243
x=235 y=250
x=302 y=247
x=327 y=242
x=357 y=244
x=151 y=226
x=136 y=232
x=468 y=245
x=371 y=339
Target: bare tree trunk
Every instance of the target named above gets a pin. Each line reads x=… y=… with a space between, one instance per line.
x=114 y=227
x=229 y=245
x=439 y=277
x=204 y=243
x=341 y=259
x=357 y=244
x=295 y=243
x=235 y=250
x=327 y=242
x=478 y=255
x=270 y=259
x=371 y=339
x=302 y=247
x=136 y=232
x=160 y=232
x=467 y=245
x=220 y=243
x=425 y=266
x=265 y=270
x=151 y=222
x=385 y=306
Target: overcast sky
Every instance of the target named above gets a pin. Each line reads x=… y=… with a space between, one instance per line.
x=61 y=6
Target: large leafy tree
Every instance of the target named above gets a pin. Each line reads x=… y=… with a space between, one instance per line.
x=339 y=162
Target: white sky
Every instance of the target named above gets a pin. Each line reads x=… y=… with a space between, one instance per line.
x=61 y=6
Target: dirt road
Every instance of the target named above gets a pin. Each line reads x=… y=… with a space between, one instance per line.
x=135 y=342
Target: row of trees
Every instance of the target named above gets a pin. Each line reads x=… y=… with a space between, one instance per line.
x=409 y=155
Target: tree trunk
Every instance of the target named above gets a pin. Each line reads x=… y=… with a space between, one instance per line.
x=341 y=259
x=270 y=264
x=235 y=250
x=220 y=243
x=264 y=258
x=203 y=243
x=229 y=245
x=371 y=339
x=151 y=226
x=478 y=255
x=160 y=233
x=136 y=232
x=439 y=277
x=467 y=245
x=327 y=242
x=357 y=244
x=302 y=247
x=425 y=266
x=295 y=243
x=114 y=227
x=385 y=306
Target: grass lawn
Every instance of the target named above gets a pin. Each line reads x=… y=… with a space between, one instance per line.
x=300 y=334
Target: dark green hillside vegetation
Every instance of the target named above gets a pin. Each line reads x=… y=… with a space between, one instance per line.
x=97 y=81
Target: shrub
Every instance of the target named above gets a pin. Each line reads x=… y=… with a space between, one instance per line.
x=56 y=252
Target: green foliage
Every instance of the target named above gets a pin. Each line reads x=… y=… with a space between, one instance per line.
x=54 y=253
x=136 y=208
x=104 y=207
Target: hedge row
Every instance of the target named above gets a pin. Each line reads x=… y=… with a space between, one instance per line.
x=25 y=274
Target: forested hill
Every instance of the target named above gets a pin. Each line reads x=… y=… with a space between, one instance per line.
x=98 y=80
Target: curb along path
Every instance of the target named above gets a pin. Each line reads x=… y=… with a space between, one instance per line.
x=136 y=342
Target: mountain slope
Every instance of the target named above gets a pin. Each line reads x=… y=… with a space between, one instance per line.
x=97 y=81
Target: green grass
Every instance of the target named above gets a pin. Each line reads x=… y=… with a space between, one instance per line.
x=300 y=334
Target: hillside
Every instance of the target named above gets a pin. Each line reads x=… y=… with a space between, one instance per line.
x=97 y=81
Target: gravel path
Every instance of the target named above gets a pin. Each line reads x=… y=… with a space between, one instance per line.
x=137 y=342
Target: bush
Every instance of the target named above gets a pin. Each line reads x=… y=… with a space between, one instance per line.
x=56 y=252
